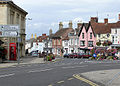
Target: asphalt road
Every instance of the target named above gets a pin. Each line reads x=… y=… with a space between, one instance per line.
x=58 y=73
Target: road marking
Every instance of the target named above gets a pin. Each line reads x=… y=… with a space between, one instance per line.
x=85 y=80
x=107 y=65
x=39 y=70
x=60 y=82
x=1 y=76
x=70 y=78
x=49 y=85
x=74 y=67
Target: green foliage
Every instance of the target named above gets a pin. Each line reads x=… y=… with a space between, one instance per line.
x=92 y=51
x=110 y=57
x=98 y=43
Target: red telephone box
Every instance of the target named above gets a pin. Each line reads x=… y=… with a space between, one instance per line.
x=13 y=54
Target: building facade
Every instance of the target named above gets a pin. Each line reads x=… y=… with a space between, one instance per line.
x=87 y=38
x=58 y=38
x=11 y=14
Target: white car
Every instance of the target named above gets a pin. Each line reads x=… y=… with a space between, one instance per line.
x=35 y=54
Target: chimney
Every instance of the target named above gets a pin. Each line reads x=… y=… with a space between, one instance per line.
x=60 y=25
x=70 y=24
x=43 y=34
x=119 y=17
x=50 y=31
x=94 y=19
x=106 y=20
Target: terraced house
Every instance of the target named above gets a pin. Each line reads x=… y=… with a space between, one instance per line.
x=87 y=38
x=59 y=37
x=103 y=30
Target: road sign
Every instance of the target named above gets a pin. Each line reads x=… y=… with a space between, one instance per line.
x=94 y=55
x=9 y=30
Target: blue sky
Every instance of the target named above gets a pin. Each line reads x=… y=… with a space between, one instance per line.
x=46 y=14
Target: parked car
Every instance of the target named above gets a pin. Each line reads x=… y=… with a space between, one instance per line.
x=73 y=55
x=82 y=55
x=66 y=55
x=35 y=54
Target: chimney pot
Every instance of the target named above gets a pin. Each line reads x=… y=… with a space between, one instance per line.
x=106 y=20
x=94 y=19
x=60 y=25
x=70 y=24
x=119 y=17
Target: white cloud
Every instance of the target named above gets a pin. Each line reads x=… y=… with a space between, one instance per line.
x=47 y=14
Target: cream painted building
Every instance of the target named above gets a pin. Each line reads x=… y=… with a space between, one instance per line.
x=11 y=14
x=103 y=37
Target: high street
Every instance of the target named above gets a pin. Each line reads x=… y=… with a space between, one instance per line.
x=59 y=73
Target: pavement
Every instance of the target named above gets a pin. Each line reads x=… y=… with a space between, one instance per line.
x=105 y=77
x=24 y=60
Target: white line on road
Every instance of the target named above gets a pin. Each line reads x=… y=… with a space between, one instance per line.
x=1 y=76
x=74 y=66
x=39 y=70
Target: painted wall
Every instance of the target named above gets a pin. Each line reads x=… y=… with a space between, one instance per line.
x=85 y=38
x=93 y=38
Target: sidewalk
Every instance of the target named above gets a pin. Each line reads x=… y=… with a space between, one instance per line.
x=24 y=60
x=106 y=77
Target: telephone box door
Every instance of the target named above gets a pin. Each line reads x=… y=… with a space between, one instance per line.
x=13 y=54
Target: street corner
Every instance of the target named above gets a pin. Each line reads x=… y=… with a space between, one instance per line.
x=82 y=78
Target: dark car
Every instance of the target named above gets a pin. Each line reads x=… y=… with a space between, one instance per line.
x=66 y=55
x=83 y=55
x=73 y=55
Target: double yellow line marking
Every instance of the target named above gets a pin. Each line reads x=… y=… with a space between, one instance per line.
x=85 y=80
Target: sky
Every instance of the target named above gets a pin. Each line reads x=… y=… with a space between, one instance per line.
x=46 y=14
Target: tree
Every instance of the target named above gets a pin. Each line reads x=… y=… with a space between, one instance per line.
x=98 y=43
x=107 y=43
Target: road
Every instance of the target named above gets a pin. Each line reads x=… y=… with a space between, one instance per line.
x=58 y=73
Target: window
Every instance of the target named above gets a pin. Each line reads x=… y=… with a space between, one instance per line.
x=58 y=42
x=108 y=35
x=90 y=35
x=82 y=43
x=90 y=43
x=77 y=41
x=82 y=35
x=54 y=42
x=66 y=43
x=99 y=35
x=71 y=41
x=115 y=31
x=113 y=39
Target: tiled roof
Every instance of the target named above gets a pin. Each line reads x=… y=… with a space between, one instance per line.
x=83 y=25
x=62 y=33
x=102 y=28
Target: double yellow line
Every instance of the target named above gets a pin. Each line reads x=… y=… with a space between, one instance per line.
x=85 y=80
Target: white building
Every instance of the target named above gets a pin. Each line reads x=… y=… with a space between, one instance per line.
x=65 y=44
x=115 y=38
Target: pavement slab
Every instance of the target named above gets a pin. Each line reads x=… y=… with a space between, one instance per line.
x=106 y=77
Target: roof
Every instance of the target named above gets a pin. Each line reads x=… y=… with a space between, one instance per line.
x=62 y=33
x=86 y=25
x=83 y=25
x=10 y=2
x=103 y=28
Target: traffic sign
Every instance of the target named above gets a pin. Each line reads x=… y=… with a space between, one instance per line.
x=9 y=31
x=94 y=55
